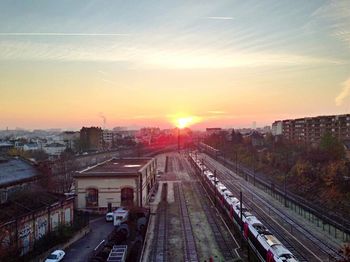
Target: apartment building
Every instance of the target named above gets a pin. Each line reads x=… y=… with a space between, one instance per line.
x=91 y=138
x=311 y=129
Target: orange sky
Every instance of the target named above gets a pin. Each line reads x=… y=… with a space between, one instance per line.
x=67 y=65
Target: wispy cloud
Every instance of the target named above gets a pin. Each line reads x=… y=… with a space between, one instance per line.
x=337 y=15
x=144 y=56
x=220 y=17
x=216 y=112
x=108 y=81
x=344 y=93
x=61 y=34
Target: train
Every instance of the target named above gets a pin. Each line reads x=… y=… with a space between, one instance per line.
x=210 y=150
x=264 y=244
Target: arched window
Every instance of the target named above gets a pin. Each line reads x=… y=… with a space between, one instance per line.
x=91 y=197
x=127 y=196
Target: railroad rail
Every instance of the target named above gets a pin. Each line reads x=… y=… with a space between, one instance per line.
x=161 y=229
x=334 y=220
x=323 y=250
x=225 y=245
x=190 y=254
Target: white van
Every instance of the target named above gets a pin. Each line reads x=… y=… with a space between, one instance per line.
x=120 y=215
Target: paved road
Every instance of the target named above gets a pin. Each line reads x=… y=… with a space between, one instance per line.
x=81 y=249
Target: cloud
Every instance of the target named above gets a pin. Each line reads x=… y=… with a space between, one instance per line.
x=337 y=15
x=344 y=93
x=217 y=112
x=146 y=56
x=61 y=34
x=108 y=81
x=220 y=17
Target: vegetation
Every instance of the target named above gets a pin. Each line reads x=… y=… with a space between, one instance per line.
x=319 y=173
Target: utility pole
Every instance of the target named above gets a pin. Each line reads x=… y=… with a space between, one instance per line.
x=254 y=172
x=236 y=163
x=285 y=180
x=178 y=139
x=240 y=208
x=215 y=182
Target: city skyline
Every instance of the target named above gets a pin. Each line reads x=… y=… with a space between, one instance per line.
x=226 y=63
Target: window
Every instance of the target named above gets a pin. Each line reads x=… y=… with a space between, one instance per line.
x=91 y=197
x=127 y=196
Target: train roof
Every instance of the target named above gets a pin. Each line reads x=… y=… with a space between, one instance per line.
x=232 y=200
x=207 y=172
x=221 y=187
x=252 y=220
x=261 y=229
x=228 y=193
x=283 y=253
x=247 y=214
x=271 y=240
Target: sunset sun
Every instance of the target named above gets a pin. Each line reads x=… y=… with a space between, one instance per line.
x=184 y=122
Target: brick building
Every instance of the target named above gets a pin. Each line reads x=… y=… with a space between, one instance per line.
x=30 y=216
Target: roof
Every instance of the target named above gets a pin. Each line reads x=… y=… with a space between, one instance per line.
x=55 y=145
x=115 y=166
x=26 y=202
x=6 y=144
x=32 y=145
x=15 y=170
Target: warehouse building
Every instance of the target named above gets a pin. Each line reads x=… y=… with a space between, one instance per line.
x=116 y=182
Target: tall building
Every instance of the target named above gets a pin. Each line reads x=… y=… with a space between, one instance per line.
x=311 y=129
x=277 y=128
x=107 y=137
x=91 y=138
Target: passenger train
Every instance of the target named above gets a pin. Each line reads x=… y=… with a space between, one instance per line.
x=265 y=245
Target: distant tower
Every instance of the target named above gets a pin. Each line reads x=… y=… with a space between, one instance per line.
x=254 y=125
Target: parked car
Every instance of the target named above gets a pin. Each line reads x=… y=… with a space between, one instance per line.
x=109 y=216
x=55 y=256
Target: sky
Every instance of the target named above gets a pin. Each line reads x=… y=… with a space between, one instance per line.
x=70 y=63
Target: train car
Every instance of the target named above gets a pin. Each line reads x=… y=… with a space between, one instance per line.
x=209 y=150
x=266 y=246
x=221 y=190
x=281 y=254
x=265 y=243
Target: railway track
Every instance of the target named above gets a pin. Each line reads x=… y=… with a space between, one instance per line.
x=161 y=229
x=190 y=254
x=319 y=250
x=225 y=245
x=294 y=247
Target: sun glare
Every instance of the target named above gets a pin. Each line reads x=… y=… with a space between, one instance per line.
x=184 y=122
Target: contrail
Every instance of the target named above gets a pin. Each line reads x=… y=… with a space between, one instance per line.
x=62 y=34
x=220 y=17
